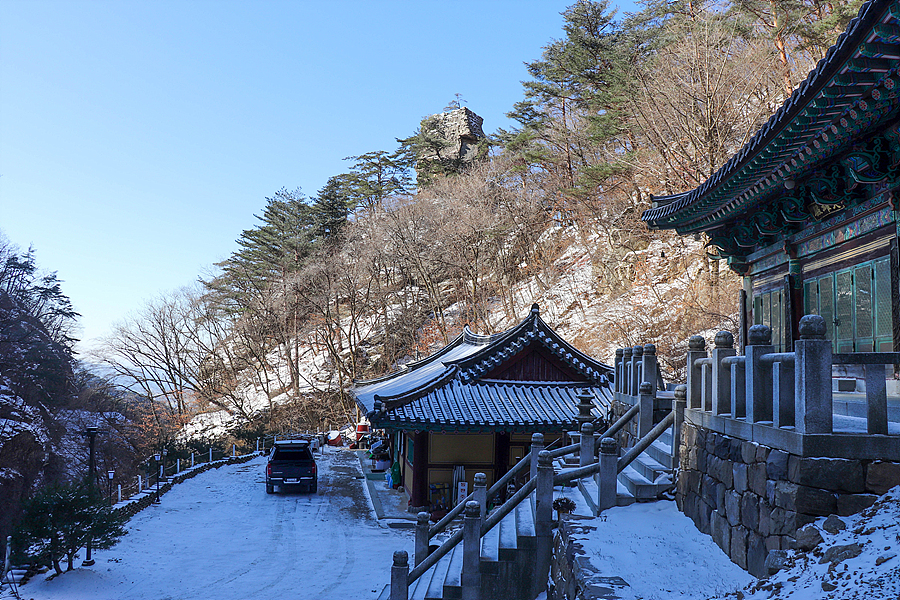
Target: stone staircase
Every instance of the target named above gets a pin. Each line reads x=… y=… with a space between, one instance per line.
x=643 y=480
x=507 y=556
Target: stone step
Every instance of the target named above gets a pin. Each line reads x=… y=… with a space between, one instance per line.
x=507 y=539
x=490 y=551
x=435 y=588
x=452 y=588
x=648 y=467
x=526 y=536
x=588 y=488
x=15 y=575
x=642 y=488
x=661 y=452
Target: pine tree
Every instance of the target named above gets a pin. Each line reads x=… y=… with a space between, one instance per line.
x=330 y=210
x=59 y=520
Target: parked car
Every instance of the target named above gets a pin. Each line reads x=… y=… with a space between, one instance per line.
x=291 y=465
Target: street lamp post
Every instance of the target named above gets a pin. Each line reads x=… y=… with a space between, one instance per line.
x=111 y=474
x=91 y=433
x=163 y=472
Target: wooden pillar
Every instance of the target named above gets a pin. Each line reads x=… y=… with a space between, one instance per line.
x=418 y=495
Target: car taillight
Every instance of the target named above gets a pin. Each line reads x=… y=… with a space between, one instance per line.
x=314 y=469
x=269 y=470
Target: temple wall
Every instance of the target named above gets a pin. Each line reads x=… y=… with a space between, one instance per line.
x=752 y=498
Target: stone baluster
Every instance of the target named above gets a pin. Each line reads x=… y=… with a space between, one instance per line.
x=812 y=375
x=876 y=400
x=645 y=414
x=696 y=350
x=537 y=445
x=637 y=362
x=586 y=452
x=421 y=537
x=619 y=377
x=543 y=517
x=758 y=376
x=680 y=403
x=738 y=386
x=650 y=369
x=471 y=575
x=721 y=373
x=783 y=399
x=626 y=371
x=480 y=493
x=607 y=477
x=400 y=576
x=706 y=383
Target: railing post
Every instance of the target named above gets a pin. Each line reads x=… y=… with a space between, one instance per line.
x=177 y=465
x=586 y=452
x=758 y=377
x=119 y=488
x=140 y=484
x=471 y=574
x=876 y=400
x=680 y=404
x=480 y=493
x=721 y=374
x=637 y=362
x=400 y=576
x=645 y=416
x=696 y=350
x=607 y=477
x=537 y=445
x=232 y=451
x=650 y=368
x=783 y=396
x=626 y=371
x=617 y=364
x=192 y=460
x=421 y=537
x=543 y=517
x=210 y=454
x=738 y=388
x=706 y=384
x=813 y=411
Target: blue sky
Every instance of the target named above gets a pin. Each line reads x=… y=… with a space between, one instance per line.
x=139 y=138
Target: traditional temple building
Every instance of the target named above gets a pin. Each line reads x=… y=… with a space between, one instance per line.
x=807 y=210
x=472 y=406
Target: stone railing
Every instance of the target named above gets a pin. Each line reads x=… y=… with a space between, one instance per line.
x=784 y=399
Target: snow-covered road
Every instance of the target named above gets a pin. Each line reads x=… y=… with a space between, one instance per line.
x=219 y=535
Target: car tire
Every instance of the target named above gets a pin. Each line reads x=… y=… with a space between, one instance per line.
x=270 y=489
x=313 y=487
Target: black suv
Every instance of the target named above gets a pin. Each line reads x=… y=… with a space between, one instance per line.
x=291 y=465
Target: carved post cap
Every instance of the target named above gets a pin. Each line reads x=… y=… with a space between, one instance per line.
x=537 y=438
x=587 y=429
x=696 y=343
x=646 y=387
x=637 y=351
x=544 y=459
x=812 y=327
x=473 y=509
x=619 y=352
x=649 y=349
x=626 y=352
x=680 y=393
x=480 y=479
x=724 y=339
x=760 y=335
x=401 y=558
x=608 y=445
x=422 y=518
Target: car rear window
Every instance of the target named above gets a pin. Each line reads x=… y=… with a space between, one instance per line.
x=292 y=454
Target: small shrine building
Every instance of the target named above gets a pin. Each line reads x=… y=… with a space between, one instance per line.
x=808 y=210
x=472 y=406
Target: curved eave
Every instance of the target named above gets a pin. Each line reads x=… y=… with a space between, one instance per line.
x=861 y=60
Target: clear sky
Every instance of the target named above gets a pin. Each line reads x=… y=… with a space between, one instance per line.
x=139 y=138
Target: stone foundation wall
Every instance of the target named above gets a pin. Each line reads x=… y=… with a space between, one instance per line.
x=752 y=499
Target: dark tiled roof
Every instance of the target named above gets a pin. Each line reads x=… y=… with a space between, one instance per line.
x=449 y=389
x=832 y=107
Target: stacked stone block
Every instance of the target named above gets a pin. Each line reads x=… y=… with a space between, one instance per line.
x=752 y=499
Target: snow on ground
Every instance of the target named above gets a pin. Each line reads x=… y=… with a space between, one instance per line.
x=219 y=535
x=860 y=562
x=657 y=550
